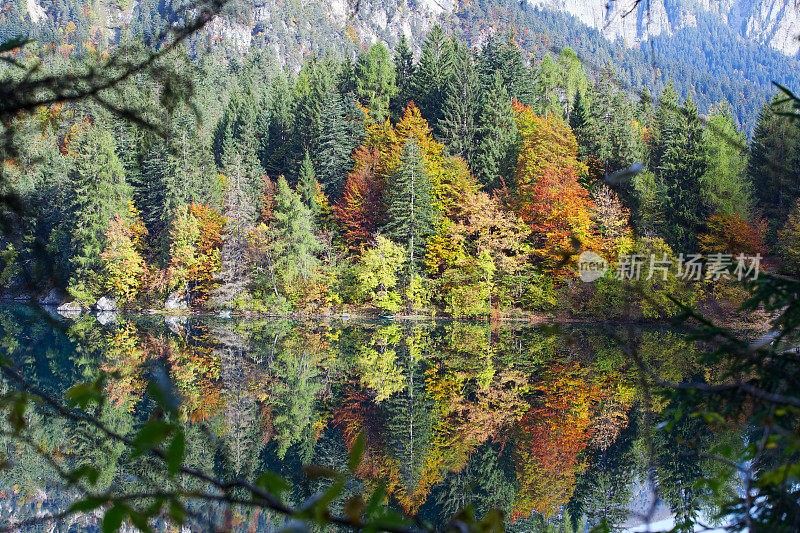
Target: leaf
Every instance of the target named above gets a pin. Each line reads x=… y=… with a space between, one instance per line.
x=89 y=472
x=175 y=452
x=13 y=43
x=272 y=483
x=140 y=521
x=177 y=512
x=151 y=435
x=353 y=508
x=357 y=452
x=16 y=416
x=319 y=472
x=82 y=394
x=113 y=518
x=87 y=504
x=375 y=500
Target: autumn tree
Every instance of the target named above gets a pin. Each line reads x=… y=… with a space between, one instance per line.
x=380 y=269
x=122 y=256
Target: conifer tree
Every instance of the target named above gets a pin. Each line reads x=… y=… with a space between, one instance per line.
x=678 y=159
x=275 y=149
x=404 y=75
x=496 y=135
x=459 y=125
x=375 y=80
x=333 y=159
x=516 y=75
x=307 y=184
x=410 y=206
x=296 y=245
x=726 y=189
x=99 y=192
x=776 y=182
x=432 y=75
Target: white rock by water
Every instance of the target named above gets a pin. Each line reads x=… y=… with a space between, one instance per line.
x=106 y=304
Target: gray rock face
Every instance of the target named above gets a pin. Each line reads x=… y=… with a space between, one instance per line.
x=106 y=304
x=176 y=300
x=772 y=22
x=53 y=298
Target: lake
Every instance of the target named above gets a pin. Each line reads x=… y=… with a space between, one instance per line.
x=548 y=423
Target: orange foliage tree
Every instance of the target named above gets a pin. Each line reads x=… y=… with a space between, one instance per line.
x=550 y=440
x=209 y=243
x=732 y=234
x=545 y=189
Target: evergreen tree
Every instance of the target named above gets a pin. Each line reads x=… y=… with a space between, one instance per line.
x=516 y=74
x=410 y=209
x=333 y=158
x=678 y=159
x=776 y=181
x=375 y=80
x=296 y=245
x=99 y=192
x=307 y=184
x=546 y=98
x=404 y=75
x=275 y=149
x=459 y=124
x=726 y=188
x=432 y=75
x=496 y=135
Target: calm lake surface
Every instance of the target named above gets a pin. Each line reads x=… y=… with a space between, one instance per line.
x=545 y=422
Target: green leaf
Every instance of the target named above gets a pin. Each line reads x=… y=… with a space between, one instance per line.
x=113 y=518
x=375 y=500
x=87 y=504
x=16 y=415
x=272 y=483
x=353 y=508
x=89 y=472
x=357 y=452
x=319 y=472
x=175 y=452
x=177 y=512
x=82 y=394
x=151 y=435
x=140 y=521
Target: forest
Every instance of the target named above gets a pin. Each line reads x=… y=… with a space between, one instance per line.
x=462 y=183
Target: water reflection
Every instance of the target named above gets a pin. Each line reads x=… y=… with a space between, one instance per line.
x=545 y=423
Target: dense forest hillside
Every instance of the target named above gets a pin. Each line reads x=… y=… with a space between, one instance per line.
x=715 y=54
x=458 y=180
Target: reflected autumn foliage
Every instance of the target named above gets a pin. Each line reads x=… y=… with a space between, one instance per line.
x=453 y=413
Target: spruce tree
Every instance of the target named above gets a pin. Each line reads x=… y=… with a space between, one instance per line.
x=432 y=75
x=776 y=181
x=99 y=192
x=307 y=184
x=333 y=158
x=459 y=125
x=404 y=76
x=296 y=245
x=678 y=159
x=410 y=209
x=375 y=80
x=496 y=135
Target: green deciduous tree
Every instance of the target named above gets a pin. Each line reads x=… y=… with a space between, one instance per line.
x=379 y=273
